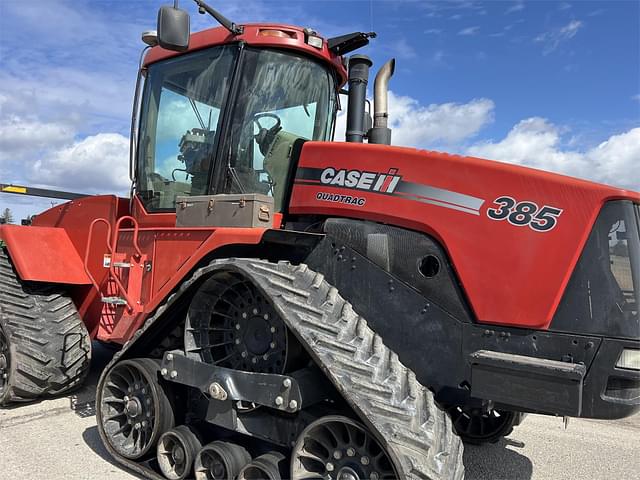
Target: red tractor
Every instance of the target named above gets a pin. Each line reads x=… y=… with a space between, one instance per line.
x=291 y=307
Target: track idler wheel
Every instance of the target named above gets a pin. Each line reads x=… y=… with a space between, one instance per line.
x=220 y=461
x=133 y=408
x=176 y=452
x=476 y=426
x=270 y=466
x=336 y=447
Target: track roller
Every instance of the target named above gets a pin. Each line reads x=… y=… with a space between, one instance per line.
x=220 y=461
x=133 y=407
x=270 y=466
x=176 y=452
x=336 y=447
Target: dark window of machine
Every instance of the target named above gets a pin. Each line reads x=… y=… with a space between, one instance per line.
x=603 y=294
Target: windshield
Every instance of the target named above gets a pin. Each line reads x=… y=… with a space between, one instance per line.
x=282 y=97
x=179 y=123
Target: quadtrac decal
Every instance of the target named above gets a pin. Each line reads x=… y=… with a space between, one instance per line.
x=337 y=198
x=384 y=183
x=525 y=213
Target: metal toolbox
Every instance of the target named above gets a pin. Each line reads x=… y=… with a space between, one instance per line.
x=225 y=210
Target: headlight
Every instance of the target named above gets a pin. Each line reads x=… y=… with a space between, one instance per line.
x=629 y=359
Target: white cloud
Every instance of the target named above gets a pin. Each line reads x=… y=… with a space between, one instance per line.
x=617 y=159
x=552 y=39
x=570 y=30
x=401 y=48
x=516 y=7
x=90 y=100
x=420 y=126
x=469 y=30
x=97 y=164
x=537 y=143
x=22 y=139
x=417 y=125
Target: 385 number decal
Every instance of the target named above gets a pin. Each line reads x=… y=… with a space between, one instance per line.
x=540 y=219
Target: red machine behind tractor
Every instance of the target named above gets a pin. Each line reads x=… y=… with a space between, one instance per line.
x=290 y=307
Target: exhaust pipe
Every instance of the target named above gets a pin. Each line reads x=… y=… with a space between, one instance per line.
x=381 y=133
x=358 y=78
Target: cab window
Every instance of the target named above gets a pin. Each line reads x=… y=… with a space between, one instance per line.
x=180 y=119
x=282 y=97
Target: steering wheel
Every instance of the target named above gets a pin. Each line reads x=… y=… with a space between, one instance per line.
x=265 y=136
x=259 y=116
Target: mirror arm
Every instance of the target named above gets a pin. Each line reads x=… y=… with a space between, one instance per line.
x=234 y=28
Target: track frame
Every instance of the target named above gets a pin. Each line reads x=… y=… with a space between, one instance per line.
x=383 y=393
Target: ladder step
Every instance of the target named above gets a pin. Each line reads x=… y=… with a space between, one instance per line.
x=122 y=264
x=114 y=300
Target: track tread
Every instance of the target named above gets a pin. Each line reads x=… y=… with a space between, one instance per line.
x=385 y=394
x=49 y=344
x=394 y=405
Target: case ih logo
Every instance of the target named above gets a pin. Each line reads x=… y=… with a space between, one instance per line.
x=372 y=181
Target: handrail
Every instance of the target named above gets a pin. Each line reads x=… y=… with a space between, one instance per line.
x=123 y=291
x=134 y=240
x=88 y=248
x=112 y=242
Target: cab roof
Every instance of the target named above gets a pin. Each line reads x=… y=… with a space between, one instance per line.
x=292 y=39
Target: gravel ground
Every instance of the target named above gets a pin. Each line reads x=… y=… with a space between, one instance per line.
x=57 y=439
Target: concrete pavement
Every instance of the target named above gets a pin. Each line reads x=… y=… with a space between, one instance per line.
x=58 y=439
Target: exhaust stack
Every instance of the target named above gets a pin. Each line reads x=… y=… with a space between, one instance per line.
x=358 y=78
x=381 y=133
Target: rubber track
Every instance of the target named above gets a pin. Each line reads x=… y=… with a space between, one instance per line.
x=49 y=344
x=384 y=393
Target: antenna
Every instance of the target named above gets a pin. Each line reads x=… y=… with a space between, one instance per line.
x=222 y=20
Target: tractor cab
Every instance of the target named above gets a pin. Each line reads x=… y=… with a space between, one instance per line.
x=222 y=115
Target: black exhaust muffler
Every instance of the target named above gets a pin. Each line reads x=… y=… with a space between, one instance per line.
x=359 y=66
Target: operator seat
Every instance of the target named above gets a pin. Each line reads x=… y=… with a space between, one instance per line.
x=276 y=164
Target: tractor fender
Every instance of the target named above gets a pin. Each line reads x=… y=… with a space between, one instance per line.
x=44 y=254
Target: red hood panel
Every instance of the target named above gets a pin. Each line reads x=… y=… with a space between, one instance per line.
x=514 y=257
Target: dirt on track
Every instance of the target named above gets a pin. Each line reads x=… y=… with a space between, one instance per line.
x=58 y=439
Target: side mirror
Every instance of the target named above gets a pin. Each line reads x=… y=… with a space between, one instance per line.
x=173 y=29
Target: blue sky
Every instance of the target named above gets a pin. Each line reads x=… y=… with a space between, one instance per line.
x=554 y=85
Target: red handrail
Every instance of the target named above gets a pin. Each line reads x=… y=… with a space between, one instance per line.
x=135 y=234
x=88 y=248
x=112 y=245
